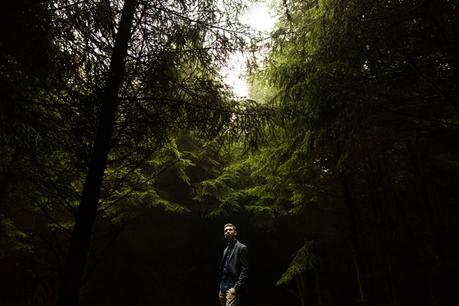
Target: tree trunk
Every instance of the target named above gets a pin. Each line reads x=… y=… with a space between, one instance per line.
x=375 y=177
x=300 y=288
x=317 y=287
x=5 y=180
x=356 y=253
x=79 y=245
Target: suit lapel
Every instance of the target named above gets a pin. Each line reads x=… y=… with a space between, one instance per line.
x=223 y=257
x=232 y=251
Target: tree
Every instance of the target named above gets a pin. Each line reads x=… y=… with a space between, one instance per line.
x=115 y=97
x=87 y=210
x=170 y=82
x=363 y=96
x=365 y=89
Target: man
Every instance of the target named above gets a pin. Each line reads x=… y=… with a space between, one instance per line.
x=234 y=268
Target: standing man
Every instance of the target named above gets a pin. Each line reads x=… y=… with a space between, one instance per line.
x=234 y=268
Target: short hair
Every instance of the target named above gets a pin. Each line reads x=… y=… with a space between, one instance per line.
x=230 y=224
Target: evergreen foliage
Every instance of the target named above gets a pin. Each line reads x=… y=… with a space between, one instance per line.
x=349 y=140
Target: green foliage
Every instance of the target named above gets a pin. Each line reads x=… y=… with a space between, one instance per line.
x=353 y=90
x=303 y=260
x=364 y=91
x=128 y=188
x=224 y=186
x=50 y=111
x=13 y=240
x=341 y=90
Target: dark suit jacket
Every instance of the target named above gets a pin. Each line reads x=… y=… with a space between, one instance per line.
x=238 y=264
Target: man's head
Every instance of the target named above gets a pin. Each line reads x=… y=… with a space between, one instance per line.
x=230 y=232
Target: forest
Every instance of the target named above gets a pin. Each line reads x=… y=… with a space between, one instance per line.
x=123 y=152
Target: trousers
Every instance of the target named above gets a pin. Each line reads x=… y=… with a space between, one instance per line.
x=229 y=298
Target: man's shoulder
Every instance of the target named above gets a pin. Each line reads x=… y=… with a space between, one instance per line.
x=240 y=245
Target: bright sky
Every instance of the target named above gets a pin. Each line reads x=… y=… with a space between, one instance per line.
x=259 y=17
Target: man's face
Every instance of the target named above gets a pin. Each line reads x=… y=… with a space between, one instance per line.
x=230 y=233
